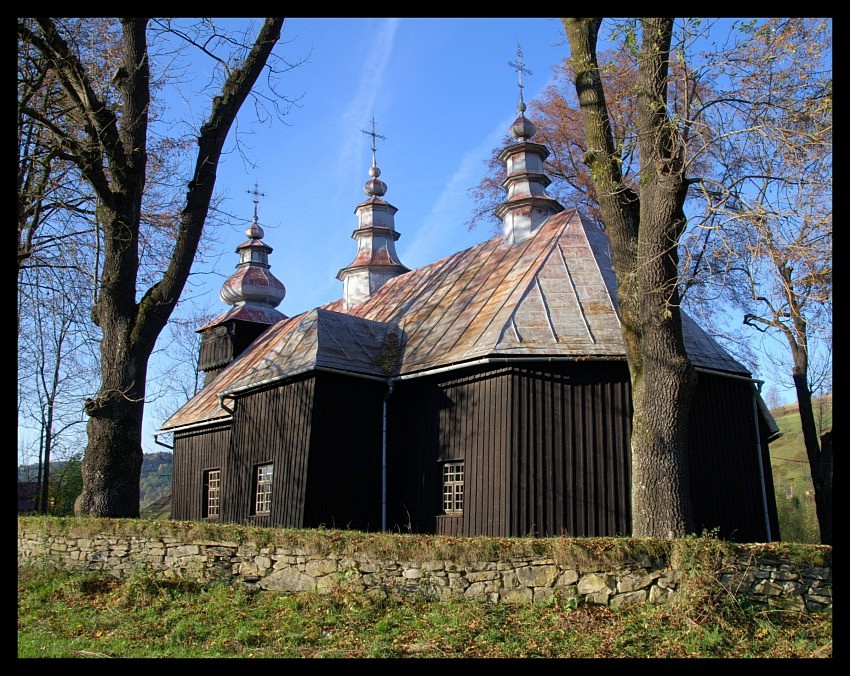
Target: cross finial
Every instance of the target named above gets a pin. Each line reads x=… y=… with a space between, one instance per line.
x=257 y=195
x=374 y=136
x=520 y=69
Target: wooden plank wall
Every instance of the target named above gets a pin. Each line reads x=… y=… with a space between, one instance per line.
x=195 y=452
x=546 y=451
x=571 y=455
x=344 y=476
x=724 y=467
x=476 y=429
x=273 y=425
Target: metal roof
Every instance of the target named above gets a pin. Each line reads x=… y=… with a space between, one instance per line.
x=551 y=295
x=246 y=313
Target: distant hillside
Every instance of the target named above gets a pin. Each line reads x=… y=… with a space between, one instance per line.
x=791 y=475
x=154 y=484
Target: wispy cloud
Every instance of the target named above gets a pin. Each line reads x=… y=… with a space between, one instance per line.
x=359 y=111
x=443 y=231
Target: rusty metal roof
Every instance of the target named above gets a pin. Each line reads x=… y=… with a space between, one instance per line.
x=319 y=339
x=246 y=313
x=552 y=295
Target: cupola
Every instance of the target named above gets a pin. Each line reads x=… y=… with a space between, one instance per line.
x=254 y=294
x=527 y=205
x=376 y=261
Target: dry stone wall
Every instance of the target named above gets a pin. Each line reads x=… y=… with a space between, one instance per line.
x=530 y=579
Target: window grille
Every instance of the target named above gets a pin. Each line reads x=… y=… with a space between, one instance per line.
x=264 y=489
x=212 y=493
x=453 y=488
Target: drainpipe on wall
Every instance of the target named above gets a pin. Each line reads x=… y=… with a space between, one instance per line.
x=221 y=398
x=761 y=467
x=390 y=385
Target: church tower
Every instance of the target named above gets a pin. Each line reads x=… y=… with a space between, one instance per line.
x=253 y=292
x=376 y=261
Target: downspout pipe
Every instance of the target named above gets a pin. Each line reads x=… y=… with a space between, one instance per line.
x=390 y=386
x=221 y=397
x=761 y=468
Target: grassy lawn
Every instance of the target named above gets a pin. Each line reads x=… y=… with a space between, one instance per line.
x=63 y=615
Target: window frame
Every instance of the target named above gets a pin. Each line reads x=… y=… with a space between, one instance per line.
x=262 y=493
x=452 y=477
x=211 y=493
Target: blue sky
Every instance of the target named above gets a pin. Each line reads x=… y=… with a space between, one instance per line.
x=441 y=92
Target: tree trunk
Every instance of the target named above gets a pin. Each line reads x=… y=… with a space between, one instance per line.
x=644 y=232
x=113 y=459
x=663 y=382
x=820 y=459
x=112 y=464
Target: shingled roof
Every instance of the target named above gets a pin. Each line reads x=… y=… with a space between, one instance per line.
x=551 y=295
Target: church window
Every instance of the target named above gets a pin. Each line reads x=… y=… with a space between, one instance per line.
x=212 y=493
x=263 y=492
x=453 y=488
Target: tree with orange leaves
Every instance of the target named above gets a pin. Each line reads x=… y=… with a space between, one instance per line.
x=736 y=118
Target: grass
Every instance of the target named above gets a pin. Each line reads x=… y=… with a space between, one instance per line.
x=64 y=615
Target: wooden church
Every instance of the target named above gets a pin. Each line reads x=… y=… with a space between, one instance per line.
x=484 y=394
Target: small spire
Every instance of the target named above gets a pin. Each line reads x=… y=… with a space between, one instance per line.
x=255 y=231
x=374 y=186
x=522 y=128
x=376 y=261
x=520 y=69
x=374 y=136
x=527 y=205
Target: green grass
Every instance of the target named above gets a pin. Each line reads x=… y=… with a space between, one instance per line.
x=68 y=615
x=791 y=474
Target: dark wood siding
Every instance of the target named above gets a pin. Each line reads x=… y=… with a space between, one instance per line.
x=475 y=429
x=545 y=450
x=461 y=416
x=195 y=452
x=726 y=480
x=764 y=434
x=571 y=456
x=413 y=452
x=344 y=478
x=272 y=425
x=220 y=345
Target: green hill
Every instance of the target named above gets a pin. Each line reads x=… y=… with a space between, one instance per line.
x=154 y=484
x=792 y=478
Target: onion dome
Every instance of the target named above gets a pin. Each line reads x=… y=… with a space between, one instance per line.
x=253 y=285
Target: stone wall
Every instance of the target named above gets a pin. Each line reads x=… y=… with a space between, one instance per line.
x=515 y=579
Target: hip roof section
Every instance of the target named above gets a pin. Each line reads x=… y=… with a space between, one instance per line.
x=552 y=295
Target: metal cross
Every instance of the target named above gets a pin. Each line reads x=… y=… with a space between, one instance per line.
x=257 y=195
x=520 y=69
x=374 y=136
